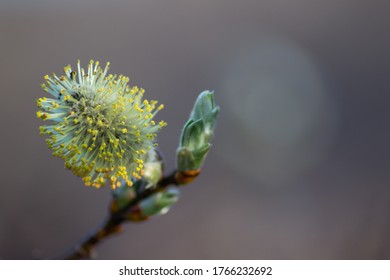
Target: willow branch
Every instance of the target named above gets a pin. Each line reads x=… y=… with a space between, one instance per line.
x=113 y=223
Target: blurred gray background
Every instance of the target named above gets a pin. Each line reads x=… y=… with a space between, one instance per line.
x=301 y=158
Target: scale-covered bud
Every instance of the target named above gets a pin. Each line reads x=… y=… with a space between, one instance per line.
x=197 y=133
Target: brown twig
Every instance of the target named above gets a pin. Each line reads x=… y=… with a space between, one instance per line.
x=113 y=223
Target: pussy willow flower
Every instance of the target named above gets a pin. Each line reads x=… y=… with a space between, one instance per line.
x=101 y=127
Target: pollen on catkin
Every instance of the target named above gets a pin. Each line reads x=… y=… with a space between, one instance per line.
x=100 y=125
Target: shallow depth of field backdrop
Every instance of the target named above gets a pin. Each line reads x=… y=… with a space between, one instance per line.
x=301 y=159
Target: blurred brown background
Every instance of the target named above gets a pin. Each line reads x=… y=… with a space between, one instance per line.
x=300 y=163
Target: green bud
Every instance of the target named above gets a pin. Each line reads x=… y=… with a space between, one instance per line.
x=197 y=133
x=159 y=203
x=153 y=169
x=122 y=195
